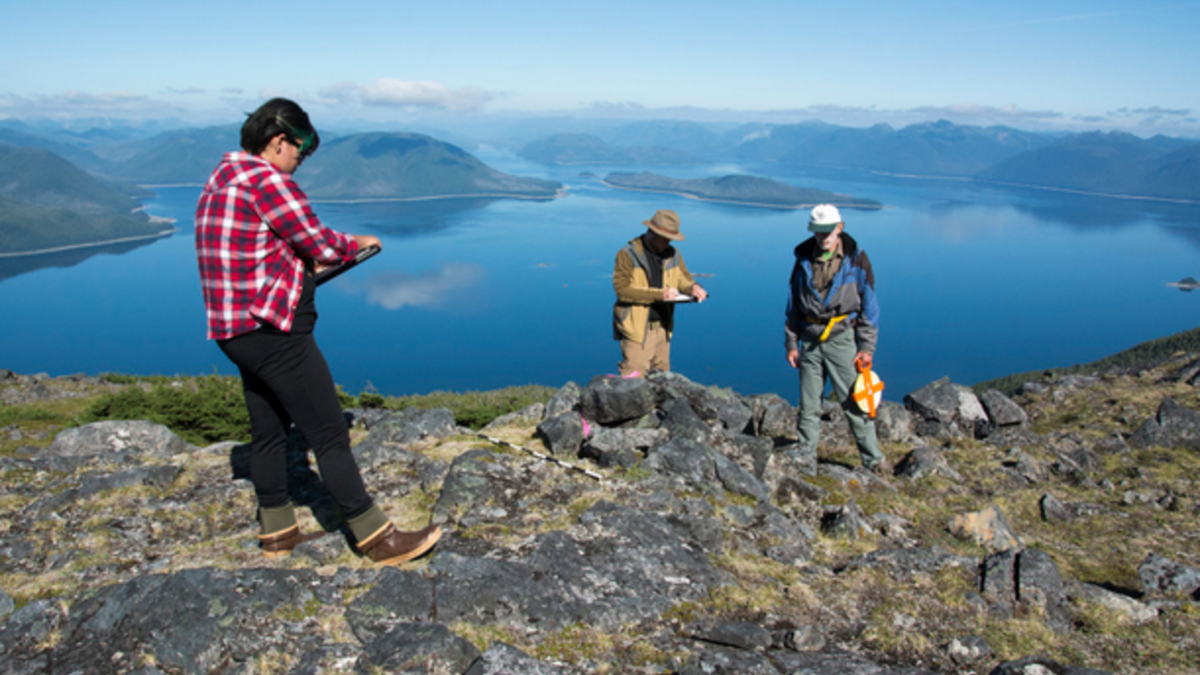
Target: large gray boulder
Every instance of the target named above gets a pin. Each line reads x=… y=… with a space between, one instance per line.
x=621 y=447
x=135 y=437
x=946 y=407
x=1002 y=410
x=1173 y=426
x=1161 y=575
x=613 y=400
x=771 y=416
x=566 y=398
x=719 y=408
x=1039 y=584
x=893 y=423
x=562 y=433
x=412 y=425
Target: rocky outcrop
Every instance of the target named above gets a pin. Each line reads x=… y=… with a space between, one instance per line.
x=700 y=513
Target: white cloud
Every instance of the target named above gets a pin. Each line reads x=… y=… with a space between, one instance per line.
x=432 y=290
x=82 y=104
x=392 y=93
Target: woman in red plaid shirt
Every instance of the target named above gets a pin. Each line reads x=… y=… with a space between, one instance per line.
x=258 y=243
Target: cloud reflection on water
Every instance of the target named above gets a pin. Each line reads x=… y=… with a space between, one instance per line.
x=442 y=288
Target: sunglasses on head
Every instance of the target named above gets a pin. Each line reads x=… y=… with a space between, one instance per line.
x=303 y=141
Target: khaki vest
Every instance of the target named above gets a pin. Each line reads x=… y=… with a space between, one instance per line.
x=629 y=320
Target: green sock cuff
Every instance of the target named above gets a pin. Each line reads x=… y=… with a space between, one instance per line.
x=276 y=518
x=368 y=523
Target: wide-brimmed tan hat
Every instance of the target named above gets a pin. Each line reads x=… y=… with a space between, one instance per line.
x=665 y=223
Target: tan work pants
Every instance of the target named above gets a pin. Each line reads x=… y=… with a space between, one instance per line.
x=653 y=353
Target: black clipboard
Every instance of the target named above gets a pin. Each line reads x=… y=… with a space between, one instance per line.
x=333 y=272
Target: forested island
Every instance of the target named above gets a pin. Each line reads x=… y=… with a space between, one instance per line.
x=738 y=189
x=48 y=204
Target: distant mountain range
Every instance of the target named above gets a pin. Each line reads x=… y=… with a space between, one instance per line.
x=1112 y=163
x=47 y=202
x=1108 y=163
x=738 y=189
x=51 y=204
x=588 y=149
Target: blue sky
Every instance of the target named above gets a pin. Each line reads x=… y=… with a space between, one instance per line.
x=1052 y=64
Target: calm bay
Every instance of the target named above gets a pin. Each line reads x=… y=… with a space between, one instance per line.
x=975 y=281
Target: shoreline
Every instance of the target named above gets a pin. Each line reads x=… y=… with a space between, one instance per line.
x=95 y=244
x=562 y=192
x=762 y=205
x=1029 y=186
x=481 y=195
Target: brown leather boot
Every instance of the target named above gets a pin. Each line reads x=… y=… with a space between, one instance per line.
x=390 y=546
x=279 y=544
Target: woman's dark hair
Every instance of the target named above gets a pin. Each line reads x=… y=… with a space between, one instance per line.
x=279 y=116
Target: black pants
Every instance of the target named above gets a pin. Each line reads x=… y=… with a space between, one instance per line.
x=286 y=379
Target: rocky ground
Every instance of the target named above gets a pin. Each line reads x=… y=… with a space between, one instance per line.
x=628 y=526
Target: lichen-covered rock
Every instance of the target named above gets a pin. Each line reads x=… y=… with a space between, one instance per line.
x=1161 y=575
x=685 y=459
x=1039 y=584
x=1040 y=665
x=562 y=433
x=565 y=399
x=937 y=400
x=1135 y=611
x=481 y=478
x=133 y=437
x=1173 y=426
x=503 y=659
x=530 y=413
x=190 y=621
x=620 y=566
x=1002 y=410
x=988 y=528
x=418 y=648
x=398 y=596
x=771 y=416
x=682 y=422
x=846 y=521
x=967 y=650
x=923 y=462
x=893 y=423
x=613 y=400
x=904 y=563
x=622 y=447
x=412 y=425
x=740 y=634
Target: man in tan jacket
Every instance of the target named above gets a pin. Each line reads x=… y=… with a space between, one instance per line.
x=649 y=278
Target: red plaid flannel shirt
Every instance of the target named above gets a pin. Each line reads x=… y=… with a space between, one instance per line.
x=254 y=233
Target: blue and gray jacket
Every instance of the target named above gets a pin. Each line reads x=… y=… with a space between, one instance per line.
x=851 y=295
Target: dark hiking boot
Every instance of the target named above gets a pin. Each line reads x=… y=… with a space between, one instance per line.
x=390 y=546
x=279 y=544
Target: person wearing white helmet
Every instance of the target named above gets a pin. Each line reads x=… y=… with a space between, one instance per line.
x=832 y=325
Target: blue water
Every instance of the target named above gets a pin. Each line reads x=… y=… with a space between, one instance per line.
x=974 y=282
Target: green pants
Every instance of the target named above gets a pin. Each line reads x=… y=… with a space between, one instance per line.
x=833 y=358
